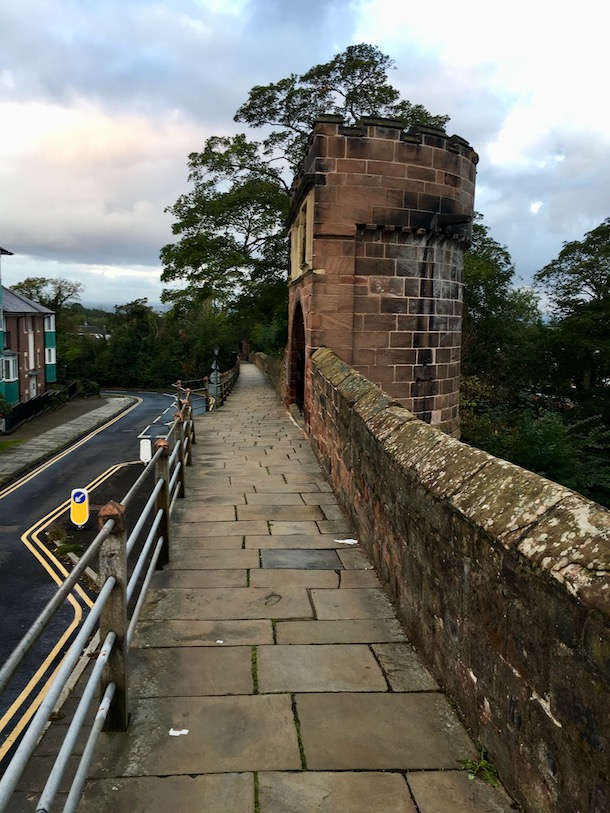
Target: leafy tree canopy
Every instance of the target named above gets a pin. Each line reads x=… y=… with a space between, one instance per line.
x=577 y=284
x=352 y=84
x=581 y=272
x=231 y=225
x=501 y=324
x=52 y=293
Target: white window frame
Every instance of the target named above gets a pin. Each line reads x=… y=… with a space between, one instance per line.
x=49 y=323
x=10 y=368
x=50 y=355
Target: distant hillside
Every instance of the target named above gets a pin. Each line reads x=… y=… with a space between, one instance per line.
x=110 y=306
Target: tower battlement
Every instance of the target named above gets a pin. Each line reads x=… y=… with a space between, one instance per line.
x=380 y=219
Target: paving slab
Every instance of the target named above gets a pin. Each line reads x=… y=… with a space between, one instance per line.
x=404 y=668
x=168 y=633
x=355 y=559
x=201 y=578
x=235 y=498
x=433 y=789
x=263 y=487
x=229 y=603
x=381 y=732
x=332 y=512
x=307 y=668
x=194 y=512
x=289 y=498
x=287 y=528
x=273 y=513
x=225 y=734
x=296 y=540
x=303 y=476
x=339 y=632
x=213 y=560
x=229 y=792
x=188 y=537
x=360 y=602
x=191 y=671
x=345 y=792
x=251 y=528
x=201 y=485
x=358 y=578
x=261 y=480
x=319 y=498
x=284 y=577
x=298 y=558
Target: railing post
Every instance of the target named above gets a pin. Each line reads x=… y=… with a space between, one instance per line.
x=163 y=499
x=113 y=618
x=179 y=421
x=191 y=425
x=178 y=386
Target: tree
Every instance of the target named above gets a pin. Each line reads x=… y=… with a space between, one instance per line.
x=581 y=272
x=502 y=325
x=352 y=84
x=50 y=292
x=577 y=284
x=231 y=225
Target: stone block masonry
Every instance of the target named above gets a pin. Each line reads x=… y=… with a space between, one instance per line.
x=380 y=222
x=501 y=578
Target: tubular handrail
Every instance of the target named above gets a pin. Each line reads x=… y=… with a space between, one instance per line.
x=117 y=590
x=39 y=625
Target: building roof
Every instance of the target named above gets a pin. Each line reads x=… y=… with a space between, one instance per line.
x=13 y=302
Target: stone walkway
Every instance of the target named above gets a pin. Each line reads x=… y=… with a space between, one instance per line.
x=270 y=674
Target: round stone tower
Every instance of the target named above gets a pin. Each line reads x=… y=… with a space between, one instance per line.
x=379 y=223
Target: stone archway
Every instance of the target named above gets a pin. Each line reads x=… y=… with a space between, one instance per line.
x=297 y=358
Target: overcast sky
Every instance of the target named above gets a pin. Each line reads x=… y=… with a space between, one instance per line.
x=101 y=101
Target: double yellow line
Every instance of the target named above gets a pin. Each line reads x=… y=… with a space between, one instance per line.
x=44 y=466
x=33 y=542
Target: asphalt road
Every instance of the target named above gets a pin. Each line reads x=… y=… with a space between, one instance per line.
x=29 y=572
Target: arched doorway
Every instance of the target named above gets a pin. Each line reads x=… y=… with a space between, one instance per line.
x=297 y=358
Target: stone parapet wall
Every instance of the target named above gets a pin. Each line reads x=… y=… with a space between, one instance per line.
x=274 y=368
x=501 y=577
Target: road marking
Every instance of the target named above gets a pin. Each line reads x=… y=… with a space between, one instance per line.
x=47 y=464
x=31 y=539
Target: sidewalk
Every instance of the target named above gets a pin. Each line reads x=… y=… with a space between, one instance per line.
x=270 y=673
x=45 y=436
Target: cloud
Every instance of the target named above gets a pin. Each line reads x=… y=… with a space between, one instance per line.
x=101 y=103
x=88 y=186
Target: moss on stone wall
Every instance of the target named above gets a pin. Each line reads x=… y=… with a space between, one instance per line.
x=501 y=577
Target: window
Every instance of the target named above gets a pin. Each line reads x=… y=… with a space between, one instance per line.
x=301 y=239
x=49 y=323
x=50 y=356
x=10 y=368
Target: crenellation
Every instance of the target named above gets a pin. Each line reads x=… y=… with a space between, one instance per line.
x=387 y=192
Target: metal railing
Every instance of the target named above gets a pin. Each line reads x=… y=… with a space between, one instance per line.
x=114 y=614
x=206 y=393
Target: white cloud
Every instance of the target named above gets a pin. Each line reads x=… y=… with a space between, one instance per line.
x=102 y=103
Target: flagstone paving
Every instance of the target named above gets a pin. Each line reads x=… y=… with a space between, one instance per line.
x=271 y=651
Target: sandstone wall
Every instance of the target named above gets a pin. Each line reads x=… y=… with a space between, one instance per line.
x=502 y=579
x=380 y=220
